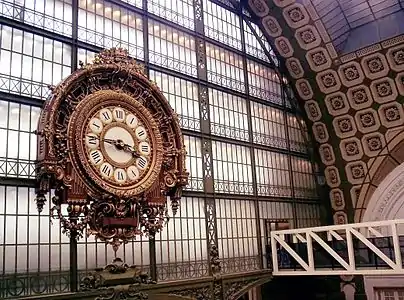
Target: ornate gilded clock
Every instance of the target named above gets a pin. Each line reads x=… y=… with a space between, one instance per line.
x=111 y=146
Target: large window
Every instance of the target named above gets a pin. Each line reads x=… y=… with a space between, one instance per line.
x=247 y=151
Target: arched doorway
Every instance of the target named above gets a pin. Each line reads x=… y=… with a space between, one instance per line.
x=386 y=203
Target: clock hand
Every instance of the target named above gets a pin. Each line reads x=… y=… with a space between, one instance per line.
x=109 y=141
x=131 y=150
x=120 y=145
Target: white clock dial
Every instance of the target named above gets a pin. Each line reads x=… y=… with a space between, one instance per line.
x=119 y=114
x=133 y=173
x=92 y=141
x=106 y=170
x=141 y=162
x=144 y=148
x=96 y=125
x=141 y=133
x=119 y=156
x=120 y=175
x=105 y=116
x=131 y=121
x=96 y=157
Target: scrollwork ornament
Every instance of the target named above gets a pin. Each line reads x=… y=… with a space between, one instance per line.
x=114 y=214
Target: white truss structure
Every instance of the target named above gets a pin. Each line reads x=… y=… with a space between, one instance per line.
x=347 y=234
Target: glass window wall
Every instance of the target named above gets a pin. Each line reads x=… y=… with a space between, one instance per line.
x=254 y=148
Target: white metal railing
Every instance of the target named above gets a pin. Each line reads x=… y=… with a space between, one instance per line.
x=349 y=249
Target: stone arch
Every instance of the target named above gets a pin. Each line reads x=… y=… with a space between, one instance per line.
x=386 y=203
x=385 y=172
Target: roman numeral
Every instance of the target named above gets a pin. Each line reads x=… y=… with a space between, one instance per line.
x=120 y=175
x=134 y=174
x=142 y=162
x=96 y=156
x=141 y=133
x=106 y=170
x=106 y=115
x=92 y=139
x=145 y=148
x=96 y=125
x=131 y=121
x=119 y=114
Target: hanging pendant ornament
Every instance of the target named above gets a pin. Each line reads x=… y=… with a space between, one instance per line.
x=111 y=149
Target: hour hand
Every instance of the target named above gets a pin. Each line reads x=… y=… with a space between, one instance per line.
x=131 y=150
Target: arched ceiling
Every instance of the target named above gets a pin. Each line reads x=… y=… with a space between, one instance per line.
x=354 y=101
x=354 y=24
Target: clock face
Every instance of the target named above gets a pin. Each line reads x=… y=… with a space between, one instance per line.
x=115 y=144
x=118 y=145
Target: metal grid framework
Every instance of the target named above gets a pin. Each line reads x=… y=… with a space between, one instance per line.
x=205 y=70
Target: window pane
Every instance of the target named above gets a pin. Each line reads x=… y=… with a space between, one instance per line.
x=52 y=15
x=264 y=83
x=232 y=168
x=273 y=174
x=254 y=48
x=172 y=49
x=298 y=133
x=237 y=235
x=304 y=180
x=268 y=125
x=177 y=11
x=28 y=247
x=107 y=25
x=29 y=73
x=194 y=163
x=17 y=156
x=183 y=97
x=181 y=246
x=221 y=24
x=225 y=68
x=228 y=115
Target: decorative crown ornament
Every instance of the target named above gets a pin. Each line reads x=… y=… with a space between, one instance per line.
x=111 y=149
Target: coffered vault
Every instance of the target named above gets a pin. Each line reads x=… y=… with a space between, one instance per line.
x=353 y=101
